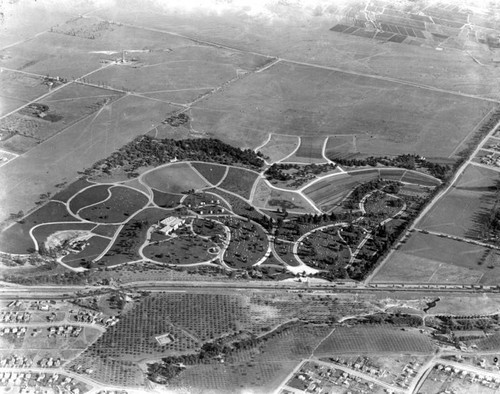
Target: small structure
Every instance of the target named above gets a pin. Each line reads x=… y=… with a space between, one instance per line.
x=165 y=339
x=171 y=224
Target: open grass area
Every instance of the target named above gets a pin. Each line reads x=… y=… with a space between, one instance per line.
x=321 y=102
x=279 y=147
x=466 y=205
x=70 y=190
x=122 y=204
x=179 y=75
x=341 y=147
x=16 y=239
x=175 y=178
x=239 y=181
x=106 y=230
x=373 y=340
x=429 y=258
x=310 y=150
x=90 y=196
x=213 y=173
x=18 y=89
x=166 y=200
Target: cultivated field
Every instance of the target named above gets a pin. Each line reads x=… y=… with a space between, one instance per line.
x=175 y=178
x=373 y=340
x=310 y=150
x=429 y=258
x=420 y=65
x=239 y=181
x=179 y=75
x=64 y=107
x=466 y=205
x=341 y=147
x=329 y=192
x=279 y=147
x=19 y=89
x=244 y=114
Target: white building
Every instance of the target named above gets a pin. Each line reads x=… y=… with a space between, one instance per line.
x=171 y=224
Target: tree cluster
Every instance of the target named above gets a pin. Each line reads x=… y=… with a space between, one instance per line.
x=147 y=151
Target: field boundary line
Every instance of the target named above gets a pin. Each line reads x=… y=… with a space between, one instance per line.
x=306 y=64
x=96 y=203
x=294 y=151
x=265 y=142
x=323 y=150
x=474 y=130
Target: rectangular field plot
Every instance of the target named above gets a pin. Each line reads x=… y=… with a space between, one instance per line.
x=429 y=258
x=310 y=150
x=321 y=102
x=60 y=110
x=18 y=89
x=279 y=147
x=404 y=62
x=77 y=147
x=466 y=206
x=239 y=181
x=180 y=75
x=373 y=340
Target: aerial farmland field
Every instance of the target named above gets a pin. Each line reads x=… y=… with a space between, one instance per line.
x=373 y=340
x=184 y=73
x=249 y=197
x=434 y=259
x=310 y=150
x=305 y=112
x=279 y=147
x=19 y=89
x=466 y=205
x=419 y=65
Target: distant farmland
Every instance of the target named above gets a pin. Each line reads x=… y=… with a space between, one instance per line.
x=466 y=205
x=327 y=103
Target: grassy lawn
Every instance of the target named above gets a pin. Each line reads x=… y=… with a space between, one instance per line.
x=89 y=196
x=175 y=178
x=122 y=204
x=213 y=173
x=239 y=181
